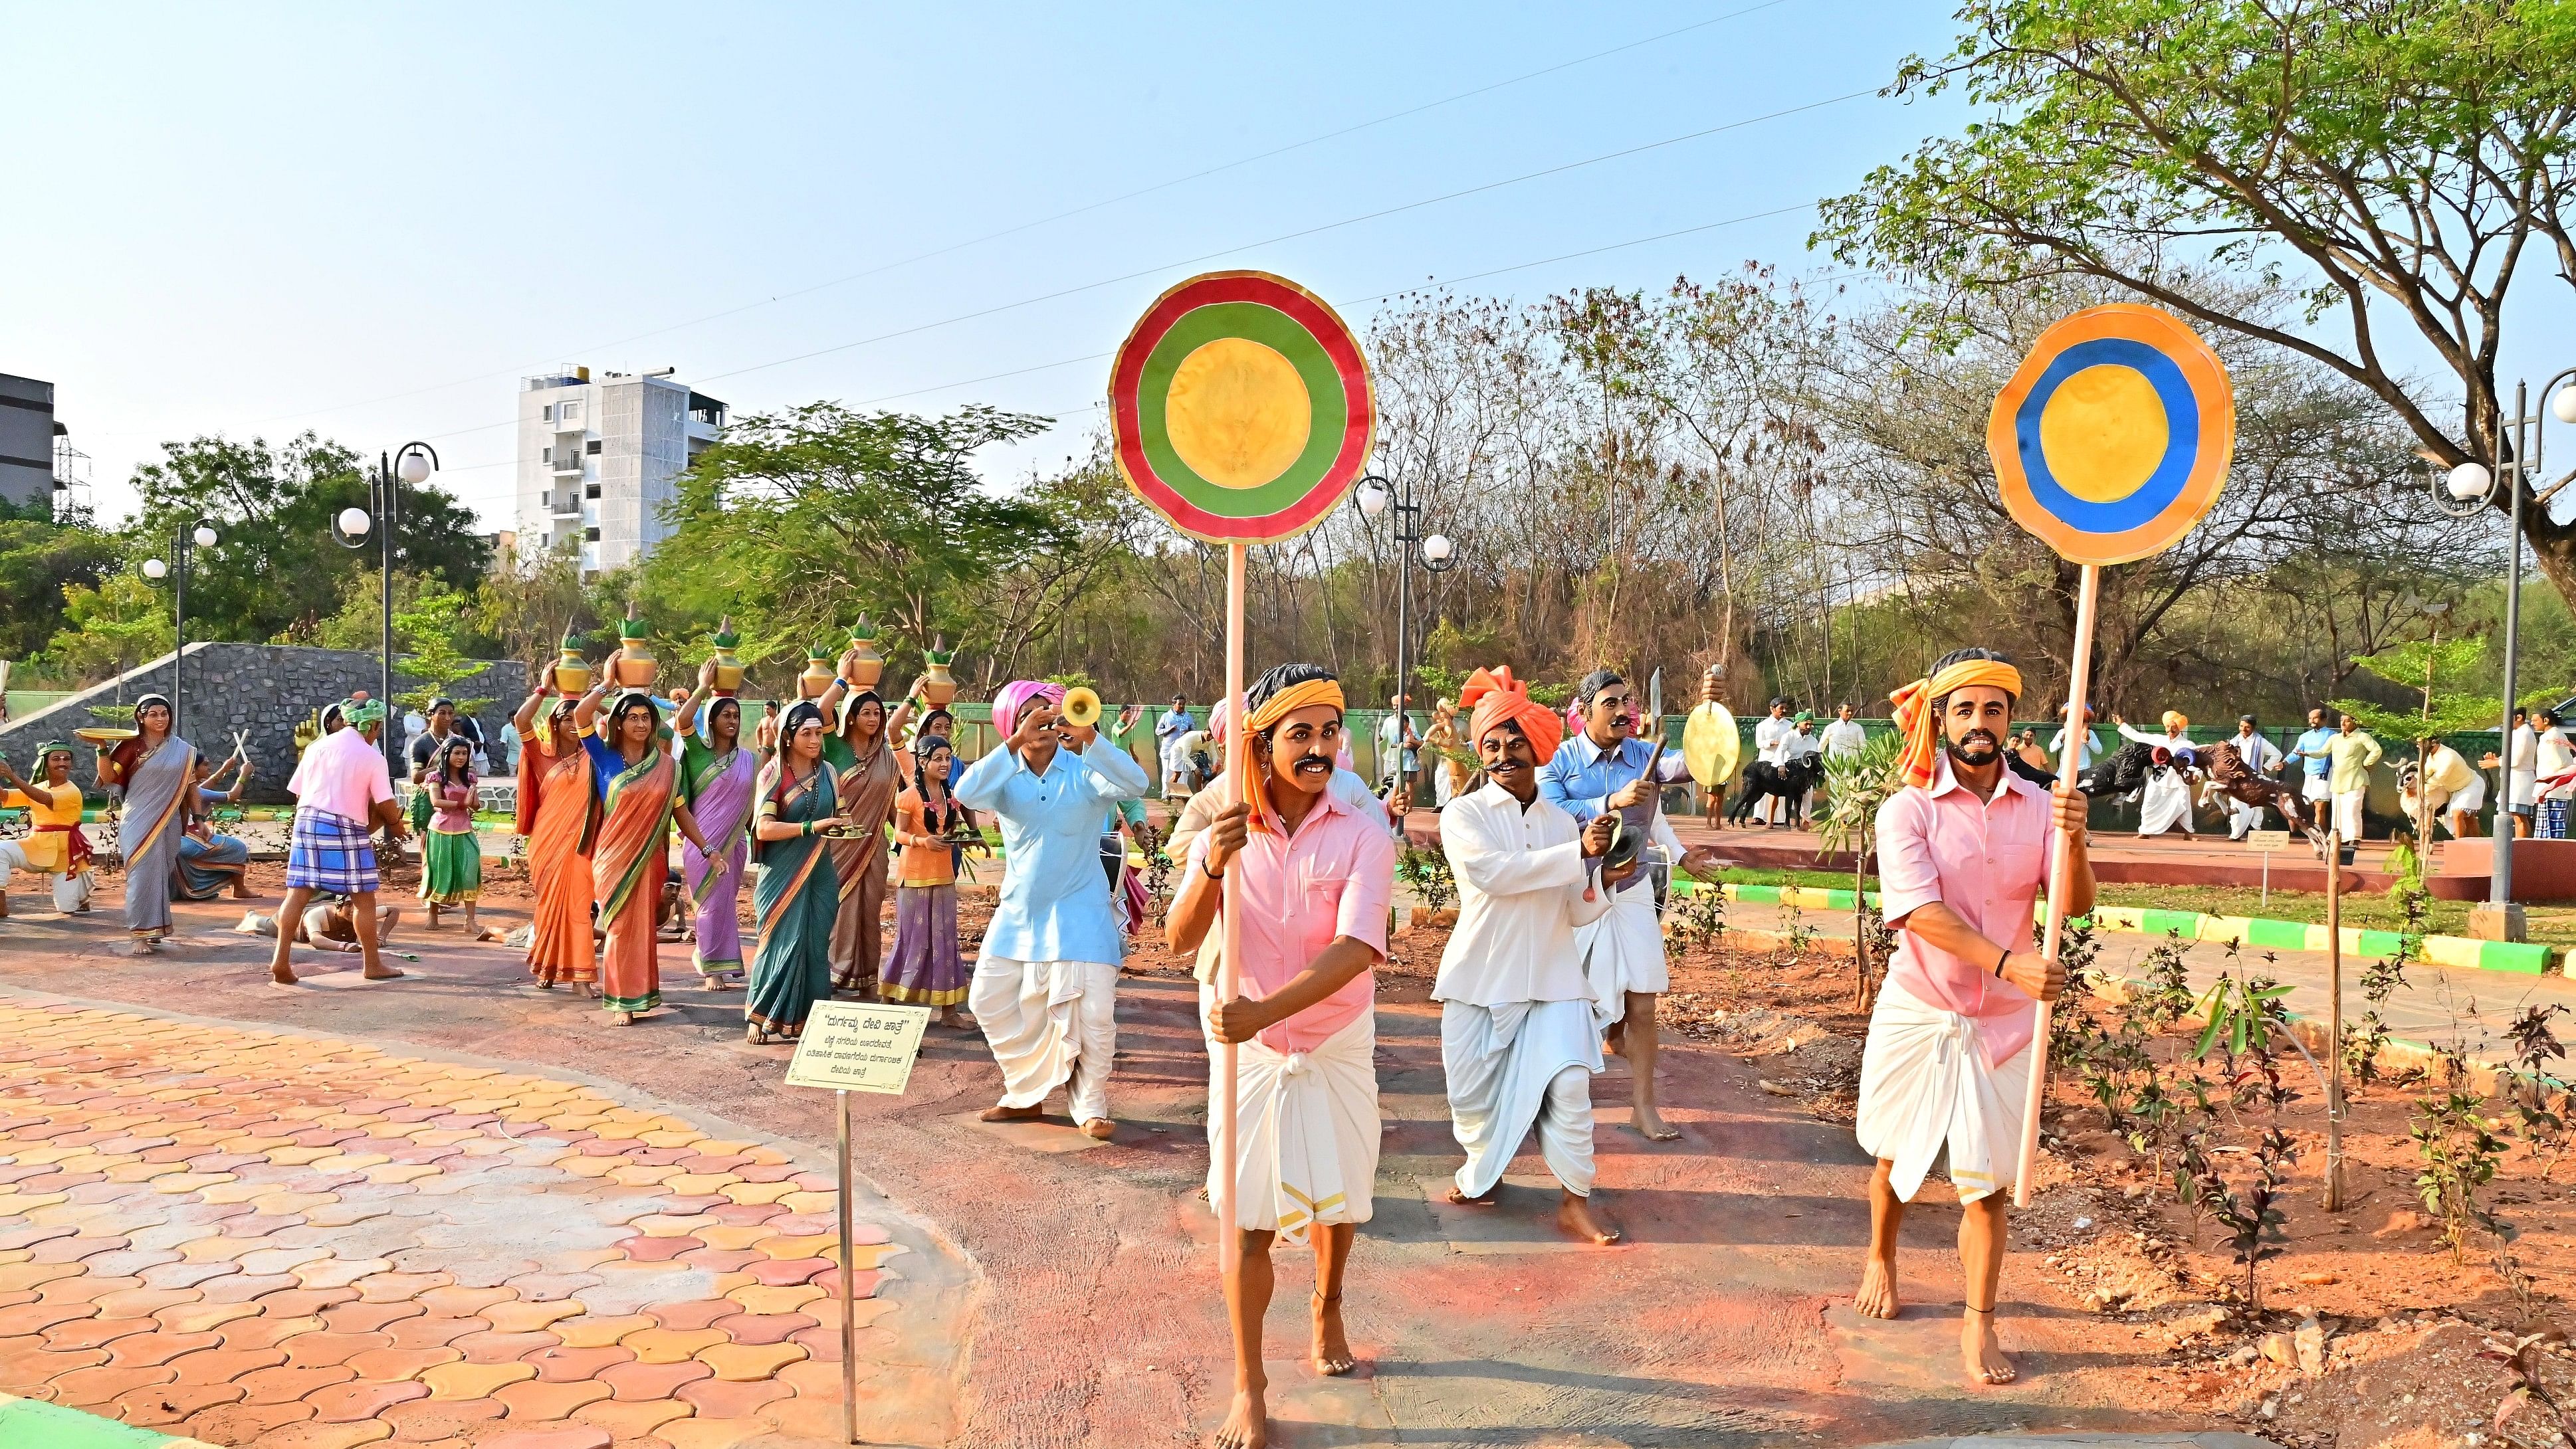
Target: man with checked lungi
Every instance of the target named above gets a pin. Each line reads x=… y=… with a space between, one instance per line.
x=342 y=789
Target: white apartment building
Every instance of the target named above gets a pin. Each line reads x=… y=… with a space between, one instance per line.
x=598 y=459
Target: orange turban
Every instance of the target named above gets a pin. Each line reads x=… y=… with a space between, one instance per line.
x=1495 y=697
x=1245 y=762
x=1921 y=729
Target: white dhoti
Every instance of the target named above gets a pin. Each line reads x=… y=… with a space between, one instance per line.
x=1514 y=1067
x=1049 y=1023
x=71 y=888
x=1306 y=1131
x=2164 y=804
x=1925 y=1088
x=2471 y=798
x=1623 y=952
x=2347 y=814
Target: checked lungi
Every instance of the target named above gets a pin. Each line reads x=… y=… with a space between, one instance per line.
x=330 y=853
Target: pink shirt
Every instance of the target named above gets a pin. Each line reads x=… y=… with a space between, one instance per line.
x=343 y=774
x=1334 y=877
x=1984 y=859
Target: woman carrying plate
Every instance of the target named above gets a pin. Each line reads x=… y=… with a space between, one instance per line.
x=155 y=773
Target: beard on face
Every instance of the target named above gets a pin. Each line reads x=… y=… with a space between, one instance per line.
x=1978 y=747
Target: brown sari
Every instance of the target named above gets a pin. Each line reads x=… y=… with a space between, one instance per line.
x=866 y=787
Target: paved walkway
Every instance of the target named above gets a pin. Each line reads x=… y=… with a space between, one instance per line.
x=1065 y=1298
x=254 y=1237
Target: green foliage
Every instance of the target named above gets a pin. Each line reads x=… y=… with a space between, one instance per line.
x=1700 y=923
x=2459 y=1153
x=430 y=623
x=1426 y=869
x=2437 y=673
x=39 y=560
x=800 y=521
x=113 y=625
x=275 y=565
x=1856 y=785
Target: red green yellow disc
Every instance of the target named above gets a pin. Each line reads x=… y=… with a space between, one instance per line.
x=1241 y=407
x=2116 y=434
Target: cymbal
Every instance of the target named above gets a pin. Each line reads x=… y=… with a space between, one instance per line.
x=1711 y=744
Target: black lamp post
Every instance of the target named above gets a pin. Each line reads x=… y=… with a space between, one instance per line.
x=183 y=544
x=411 y=464
x=1439 y=555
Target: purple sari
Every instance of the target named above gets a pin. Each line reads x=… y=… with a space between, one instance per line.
x=719 y=791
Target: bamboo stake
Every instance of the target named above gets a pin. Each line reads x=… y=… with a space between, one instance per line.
x=2334 y=1013
x=2079 y=682
x=1221 y=1148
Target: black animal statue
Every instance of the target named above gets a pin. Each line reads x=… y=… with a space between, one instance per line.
x=2122 y=771
x=1762 y=779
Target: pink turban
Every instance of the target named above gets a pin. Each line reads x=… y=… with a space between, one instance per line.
x=1015 y=697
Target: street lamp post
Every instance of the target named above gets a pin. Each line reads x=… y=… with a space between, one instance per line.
x=1439 y=555
x=409 y=465
x=183 y=546
x=2464 y=492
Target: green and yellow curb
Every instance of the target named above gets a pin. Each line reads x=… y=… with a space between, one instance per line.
x=35 y=1424
x=2458 y=952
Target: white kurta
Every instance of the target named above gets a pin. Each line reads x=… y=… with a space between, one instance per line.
x=1306 y=1131
x=1516 y=1031
x=1624 y=950
x=1925 y=1088
x=1049 y=1023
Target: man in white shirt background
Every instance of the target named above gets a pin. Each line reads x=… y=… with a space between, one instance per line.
x=1844 y=737
x=2089 y=750
x=2260 y=756
x=1770 y=746
x=2557 y=763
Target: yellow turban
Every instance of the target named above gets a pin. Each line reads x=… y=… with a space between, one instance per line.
x=2175 y=720
x=1252 y=780
x=1921 y=729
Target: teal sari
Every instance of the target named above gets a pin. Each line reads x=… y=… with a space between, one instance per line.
x=794 y=900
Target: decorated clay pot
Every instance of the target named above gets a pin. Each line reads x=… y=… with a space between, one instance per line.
x=636 y=665
x=869 y=665
x=936 y=687
x=572 y=672
x=728 y=671
x=817 y=676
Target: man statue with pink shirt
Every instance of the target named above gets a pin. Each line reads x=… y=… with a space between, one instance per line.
x=1963 y=853
x=1314 y=878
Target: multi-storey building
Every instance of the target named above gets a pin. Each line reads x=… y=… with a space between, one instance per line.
x=599 y=459
x=27 y=432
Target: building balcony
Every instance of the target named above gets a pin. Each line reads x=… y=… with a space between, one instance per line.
x=566 y=466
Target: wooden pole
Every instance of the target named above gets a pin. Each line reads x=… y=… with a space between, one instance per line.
x=2079 y=682
x=2334 y=1017
x=1221 y=1145
x=848 y=1294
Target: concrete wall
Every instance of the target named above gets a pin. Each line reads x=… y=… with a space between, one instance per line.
x=264 y=689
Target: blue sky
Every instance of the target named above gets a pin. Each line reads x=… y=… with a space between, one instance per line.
x=369 y=221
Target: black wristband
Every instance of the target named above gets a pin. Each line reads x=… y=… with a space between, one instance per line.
x=2000 y=959
x=1210 y=874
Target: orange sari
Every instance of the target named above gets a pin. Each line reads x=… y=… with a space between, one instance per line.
x=556 y=818
x=629 y=861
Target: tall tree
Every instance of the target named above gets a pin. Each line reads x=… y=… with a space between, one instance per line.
x=40 y=557
x=805 y=519
x=2395 y=160
x=275 y=566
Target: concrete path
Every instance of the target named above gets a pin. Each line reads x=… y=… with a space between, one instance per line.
x=1725 y=1320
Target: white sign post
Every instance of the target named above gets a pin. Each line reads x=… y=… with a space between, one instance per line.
x=2264 y=843
x=851 y=1046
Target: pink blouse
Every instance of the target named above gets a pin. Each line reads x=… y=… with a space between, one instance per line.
x=1987 y=860
x=451 y=806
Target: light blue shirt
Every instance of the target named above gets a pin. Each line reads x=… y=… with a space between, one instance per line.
x=2313 y=752
x=1581 y=777
x=1174 y=724
x=1055 y=898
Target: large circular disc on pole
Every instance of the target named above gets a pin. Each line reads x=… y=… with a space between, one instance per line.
x=1710 y=744
x=2115 y=435
x=1241 y=406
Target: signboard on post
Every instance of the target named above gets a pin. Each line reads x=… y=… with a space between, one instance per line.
x=853 y=1046
x=2263 y=843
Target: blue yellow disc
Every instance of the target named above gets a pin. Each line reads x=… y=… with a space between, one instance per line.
x=2115 y=435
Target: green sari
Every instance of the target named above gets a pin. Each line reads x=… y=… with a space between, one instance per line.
x=796 y=896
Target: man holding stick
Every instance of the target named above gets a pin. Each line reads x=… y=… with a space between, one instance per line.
x=1315 y=877
x=1963 y=853
x=1517 y=1037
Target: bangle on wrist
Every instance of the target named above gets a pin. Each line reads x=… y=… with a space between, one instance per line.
x=2000 y=958
x=1210 y=874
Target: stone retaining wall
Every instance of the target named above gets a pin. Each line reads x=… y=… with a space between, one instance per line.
x=263 y=689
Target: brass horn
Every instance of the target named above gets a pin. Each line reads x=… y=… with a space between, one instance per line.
x=1081 y=706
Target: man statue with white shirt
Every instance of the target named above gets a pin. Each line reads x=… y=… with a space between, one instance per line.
x=1517 y=1036
x=1844 y=738
x=2260 y=756
x=1771 y=746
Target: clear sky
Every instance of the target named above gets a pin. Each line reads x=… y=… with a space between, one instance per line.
x=371 y=221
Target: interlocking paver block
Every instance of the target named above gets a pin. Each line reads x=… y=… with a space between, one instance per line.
x=538 y=1399
x=473 y=1380
x=646 y=1381
x=624 y=1420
